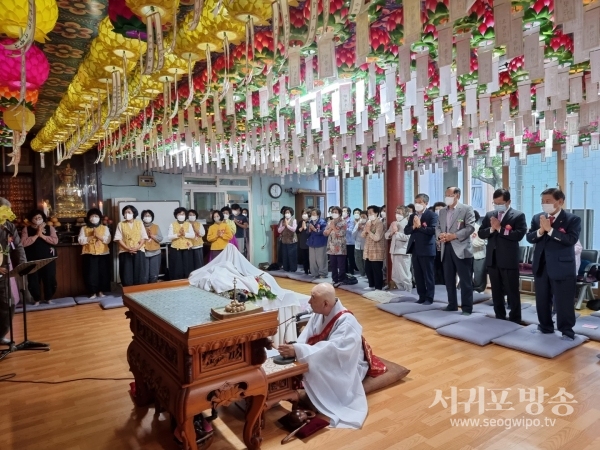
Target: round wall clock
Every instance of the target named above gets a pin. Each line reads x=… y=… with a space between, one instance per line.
x=275 y=190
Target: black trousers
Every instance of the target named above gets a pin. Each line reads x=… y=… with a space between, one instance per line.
x=180 y=263
x=374 y=271
x=453 y=266
x=351 y=266
x=133 y=268
x=423 y=268
x=289 y=257
x=506 y=281
x=304 y=259
x=338 y=267
x=96 y=273
x=47 y=276
x=197 y=258
x=563 y=292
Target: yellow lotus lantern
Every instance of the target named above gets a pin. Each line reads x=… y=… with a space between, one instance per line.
x=223 y=24
x=117 y=43
x=146 y=8
x=243 y=10
x=19 y=118
x=13 y=18
x=193 y=44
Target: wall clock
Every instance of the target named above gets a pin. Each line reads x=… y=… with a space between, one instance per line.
x=275 y=190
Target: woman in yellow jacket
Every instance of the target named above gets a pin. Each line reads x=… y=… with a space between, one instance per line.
x=180 y=256
x=219 y=235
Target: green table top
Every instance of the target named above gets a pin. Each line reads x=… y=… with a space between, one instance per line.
x=181 y=307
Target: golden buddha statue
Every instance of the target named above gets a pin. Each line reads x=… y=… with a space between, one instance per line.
x=69 y=202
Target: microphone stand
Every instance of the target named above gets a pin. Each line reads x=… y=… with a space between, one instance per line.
x=280 y=360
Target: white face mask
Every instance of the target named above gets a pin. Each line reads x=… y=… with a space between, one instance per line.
x=38 y=221
x=304 y=216
x=147 y=219
x=217 y=219
x=372 y=217
x=357 y=216
x=335 y=216
x=399 y=217
x=382 y=214
x=363 y=221
x=500 y=208
x=225 y=216
x=192 y=218
x=288 y=215
x=128 y=216
x=419 y=207
x=180 y=217
x=314 y=218
x=549 y=208
x=236 y=213
x=245 y=214
x=95 y=220
x=449 y=201
x=345 y=214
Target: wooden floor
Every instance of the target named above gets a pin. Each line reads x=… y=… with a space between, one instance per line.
x=97 y=415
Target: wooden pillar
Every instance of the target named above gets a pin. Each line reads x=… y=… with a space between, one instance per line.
x=394 y=196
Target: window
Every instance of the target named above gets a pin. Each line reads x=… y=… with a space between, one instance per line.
x=332 y=191
x=527 y=181
x=432 y=184
x=353 y=192
x=581 y=190
x=375 y=189
x=409 y=187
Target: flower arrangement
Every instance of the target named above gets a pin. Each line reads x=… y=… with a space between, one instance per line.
x=6 y=214
x=264 y=291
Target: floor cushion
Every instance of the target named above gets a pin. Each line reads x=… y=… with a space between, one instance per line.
x=479 y=330
x=584 y=326
x=111 y=302
x=57 y=303
x=394 y=373
x=438 y=318
x=540 y=344
x=399 y=309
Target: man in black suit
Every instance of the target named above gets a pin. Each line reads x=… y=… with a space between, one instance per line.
x=421 y=245
x=504 y=228
x=555 y=233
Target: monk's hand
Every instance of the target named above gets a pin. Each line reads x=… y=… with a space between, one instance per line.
x=287 y=351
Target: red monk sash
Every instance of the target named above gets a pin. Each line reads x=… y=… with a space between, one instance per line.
x=376 y=366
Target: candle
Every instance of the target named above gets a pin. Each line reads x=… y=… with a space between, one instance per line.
x=100 y=207
x=45 y=207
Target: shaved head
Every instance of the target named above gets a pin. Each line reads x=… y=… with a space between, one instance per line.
x=322 y=298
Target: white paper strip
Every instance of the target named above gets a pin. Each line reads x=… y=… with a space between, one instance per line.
x=484 y=66
x=412 y=21
x=444 y=45
x=463 y=54
x=502 y=22
x=403 y=64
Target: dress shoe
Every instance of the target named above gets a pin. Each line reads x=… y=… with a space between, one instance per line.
x=428 y=302
x=447 y=308
x=567 y=337
x=465 y=313
x=421 y=301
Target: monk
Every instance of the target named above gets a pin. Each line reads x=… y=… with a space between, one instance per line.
x=338 y=360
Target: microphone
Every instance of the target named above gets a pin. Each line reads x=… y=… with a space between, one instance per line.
x=280 y=360
x=304 y=313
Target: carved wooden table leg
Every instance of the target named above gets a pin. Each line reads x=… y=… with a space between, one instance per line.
x=188 y=435
x=252 y=430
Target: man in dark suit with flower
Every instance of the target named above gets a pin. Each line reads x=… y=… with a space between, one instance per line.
x=504 y=228
x=555 y=233
x=421 y=245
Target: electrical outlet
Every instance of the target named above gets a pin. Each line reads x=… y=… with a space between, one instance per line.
x=146 y=181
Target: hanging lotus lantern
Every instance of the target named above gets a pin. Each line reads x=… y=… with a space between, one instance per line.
x=383 y=51
x=560 y=47
x=156 y=14
x=14 y=18
x=345 y=57
x=337 y=20
x=393 y=22
x=124 y=21
x=36 y=64
x=19 y=118
x=10 y=97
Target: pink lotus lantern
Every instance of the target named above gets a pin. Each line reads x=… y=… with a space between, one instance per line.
x=36 y=66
